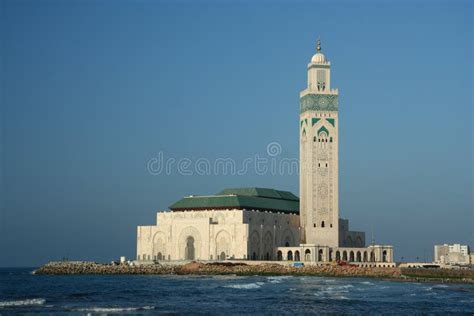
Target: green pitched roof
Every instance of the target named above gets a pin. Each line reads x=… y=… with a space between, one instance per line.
x=242 y=198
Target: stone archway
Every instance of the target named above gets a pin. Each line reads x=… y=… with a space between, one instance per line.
x=320 y=255
x=297 y=255
x=307 y=255
x=223 y=243
x=254 y=245
x=289 y=256
x=279 y=255
x=189 y=251
x=268 y=246
x=349 y=241
x=287 y=238
x=159 y=246
x=189 y=244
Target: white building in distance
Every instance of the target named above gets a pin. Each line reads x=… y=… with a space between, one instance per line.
x=267 y=224
x=455 y=254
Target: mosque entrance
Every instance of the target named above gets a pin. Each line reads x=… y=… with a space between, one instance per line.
x=189 y=250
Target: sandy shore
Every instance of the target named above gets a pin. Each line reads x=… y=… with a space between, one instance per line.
x=221 y=268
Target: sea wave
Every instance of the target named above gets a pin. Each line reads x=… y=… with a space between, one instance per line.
x=248 y=286
x=278 y=279
x=339 y=287
x=26 y=302
x=114 y=309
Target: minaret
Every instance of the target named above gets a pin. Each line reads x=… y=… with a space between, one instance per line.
x=319 y=191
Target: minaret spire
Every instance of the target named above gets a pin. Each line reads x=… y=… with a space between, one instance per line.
x=318 y=46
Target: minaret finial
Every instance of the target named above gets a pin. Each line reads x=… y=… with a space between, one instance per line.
x=318 y=46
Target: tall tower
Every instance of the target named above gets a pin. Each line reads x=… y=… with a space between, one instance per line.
x=319 y=170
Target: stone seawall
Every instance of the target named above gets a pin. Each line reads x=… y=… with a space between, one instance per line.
x=220 y=268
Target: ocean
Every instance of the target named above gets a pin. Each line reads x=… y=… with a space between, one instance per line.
x=23 y=292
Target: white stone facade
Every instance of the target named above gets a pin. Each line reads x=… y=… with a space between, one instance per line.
x=216 y=234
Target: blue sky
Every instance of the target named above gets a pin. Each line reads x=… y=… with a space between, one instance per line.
x=91 y=91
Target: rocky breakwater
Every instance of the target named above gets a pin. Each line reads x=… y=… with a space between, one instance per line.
x=278 y=269
x=242 y=268
x=87 y=267
x=199 y=268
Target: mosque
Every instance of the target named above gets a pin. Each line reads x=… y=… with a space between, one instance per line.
x=268 y=224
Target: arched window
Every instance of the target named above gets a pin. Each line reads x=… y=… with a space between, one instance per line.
x=279 y=255
x=297 y=255
x=384 y=256
x=322 y=224
x=320 y=255
x=307 y=255
x=289 y=256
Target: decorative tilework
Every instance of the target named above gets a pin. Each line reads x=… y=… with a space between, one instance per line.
x=314 y=121
x=323 y=129
x=319 y=102
x=331 y=121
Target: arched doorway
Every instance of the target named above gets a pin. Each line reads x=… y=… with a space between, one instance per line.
x=289 y=256
x=344 y=255
x=351 y=256
x=297 y=255
x=365 y=256
x=338 y=256
x=372 y=257
x=359 y=256
x=384 y=256
x=159 y=256
x=222 y=256
x=189 y=250
x=307 y=255
x=279 y=255
x=320 y=255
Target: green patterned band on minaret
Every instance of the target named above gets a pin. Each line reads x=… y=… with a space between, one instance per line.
x=319 y=102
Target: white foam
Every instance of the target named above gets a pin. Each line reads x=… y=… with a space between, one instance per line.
x=249 y=286
x=278 y=279
x=367 y=283
x=27 y=302
x=338 y=287
x=114 y=309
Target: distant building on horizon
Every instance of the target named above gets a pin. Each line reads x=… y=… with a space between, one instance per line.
x=267 y=224
x=455 y=254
